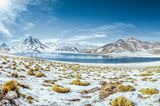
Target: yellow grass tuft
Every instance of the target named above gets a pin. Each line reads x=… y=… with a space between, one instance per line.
x=36 y=68
x=149 y=91
x=10 y=86
x=146 y=74
x=60 y=89
x=26 y=66
x=30 y=72
x=122 y=88
x=39 y=74
x=121 y=101
x=47 y=68
x=78 y=82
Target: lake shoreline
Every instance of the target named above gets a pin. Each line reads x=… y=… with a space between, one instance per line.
x=127 y=65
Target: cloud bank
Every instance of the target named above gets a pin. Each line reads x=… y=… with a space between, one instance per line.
x=11 y=9
x=9 y=13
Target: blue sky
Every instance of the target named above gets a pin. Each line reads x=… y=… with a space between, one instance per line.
x=83 y=21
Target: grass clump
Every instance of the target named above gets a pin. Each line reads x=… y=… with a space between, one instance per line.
x=78 y=82
x=30 y=72
x=60 y=89
x=158 y=70
x=36 y=68
x=26 y=66
x=149 y=91
x=121 y=101
x=107 y=90
x=47 y=68
x=1 y=66
x=10 y=86
x=39 y=74
x=146 y=74
x=4 y=62
x=122 y=88
x=15 y=74
x=30 y=99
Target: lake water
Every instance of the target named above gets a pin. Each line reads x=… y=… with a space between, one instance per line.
x=89 y=58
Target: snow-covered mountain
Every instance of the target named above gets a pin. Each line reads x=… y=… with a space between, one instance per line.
x=69 y=47
x=33 y=45
x=129 y=45
x=4 y=48
x=30 y=44
x=156 y=46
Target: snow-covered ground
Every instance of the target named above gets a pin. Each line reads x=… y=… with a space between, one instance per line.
x=138 y=75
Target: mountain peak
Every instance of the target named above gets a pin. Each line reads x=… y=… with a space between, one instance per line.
x=132 y=39
x=30 y=37
x=4 y=44
x=120 y=41
x=33 y=44
x=30 y=40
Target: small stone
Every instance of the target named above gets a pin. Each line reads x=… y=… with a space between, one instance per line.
x=11 y=95
x=5 y=103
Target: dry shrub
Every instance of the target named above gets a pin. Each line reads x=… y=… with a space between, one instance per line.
x=21 y=76
x=10 y=86
x=60 y=89
x=15 y=74
x=39 y=74
x=36 y=68
x=158 y=70
x=102 y=82
x=30 y=99
x=121 y=101
x=78 y=82
x=26 y=66
x=149 y=91
x=4 y=62
x=30 y=72
x=146 y=74
x=107 y=90
x=47 y=68
x=122 y=88
x=49 y=82
x=149 y=79
x=1 y=66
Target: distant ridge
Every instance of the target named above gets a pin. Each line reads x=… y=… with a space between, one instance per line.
x=34 y=45
x=129 y=45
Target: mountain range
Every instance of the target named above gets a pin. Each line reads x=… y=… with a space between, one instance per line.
x=129 y=45
x=34 y=45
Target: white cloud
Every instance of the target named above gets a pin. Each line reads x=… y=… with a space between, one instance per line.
x=100 y=35
x=88 y=37
x=4 y=31
x=9 y=12
x=107 y=31
x=28 y=26
x=50 y=40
